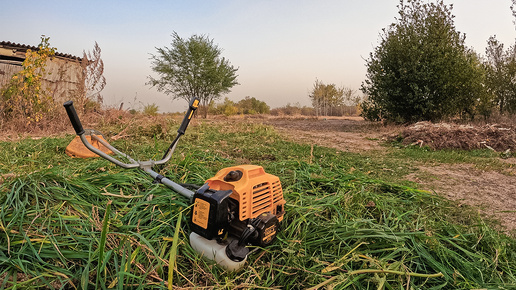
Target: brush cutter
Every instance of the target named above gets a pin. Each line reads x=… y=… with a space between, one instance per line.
x=239 y=208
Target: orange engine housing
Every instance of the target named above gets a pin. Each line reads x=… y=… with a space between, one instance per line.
x=256 y=191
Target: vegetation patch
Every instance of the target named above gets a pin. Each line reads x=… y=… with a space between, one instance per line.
x=72 y=223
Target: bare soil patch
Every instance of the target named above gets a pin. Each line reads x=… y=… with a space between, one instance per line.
x=351 y=134
x=493 y=193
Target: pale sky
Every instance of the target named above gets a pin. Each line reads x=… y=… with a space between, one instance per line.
x=280 y=47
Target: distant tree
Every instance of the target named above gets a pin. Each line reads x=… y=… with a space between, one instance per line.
x=350 y=97
x=250 y=105
x=193 y=68
x=292 y=110
x=501 y=75
x=421 y=69
x=351 y=101
x=228 y=107
x=150 y=109
x=326 y=98
x=307 y=111
x=501 y=72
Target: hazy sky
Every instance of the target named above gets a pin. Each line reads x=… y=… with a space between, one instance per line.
x=280 y=47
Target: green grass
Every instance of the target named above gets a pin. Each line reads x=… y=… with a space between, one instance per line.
x=484 y=159
x=351 y=221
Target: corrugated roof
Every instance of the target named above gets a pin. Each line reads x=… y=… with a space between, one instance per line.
x=31 y=47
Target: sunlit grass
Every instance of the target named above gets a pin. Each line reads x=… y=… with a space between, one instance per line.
x=351 y=221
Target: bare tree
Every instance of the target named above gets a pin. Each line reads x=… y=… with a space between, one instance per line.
x=91 y=79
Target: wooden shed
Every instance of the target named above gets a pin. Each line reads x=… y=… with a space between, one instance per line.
x=63 y=75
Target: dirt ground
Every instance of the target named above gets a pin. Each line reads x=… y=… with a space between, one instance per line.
x=493 y=193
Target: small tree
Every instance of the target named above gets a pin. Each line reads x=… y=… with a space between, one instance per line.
x=193 y=68
x=501 y=75
x=421 y=70
x=351 y=101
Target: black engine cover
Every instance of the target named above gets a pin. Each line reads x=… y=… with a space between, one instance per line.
x=210 y=216
x=266 y=230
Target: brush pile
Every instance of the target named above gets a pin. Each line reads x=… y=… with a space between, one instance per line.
x=497 y=137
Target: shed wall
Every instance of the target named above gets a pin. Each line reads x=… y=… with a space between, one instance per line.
x=63 y=73
x=61 y=78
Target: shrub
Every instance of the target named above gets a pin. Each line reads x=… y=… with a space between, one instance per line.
x=422 y=69
x=150 y=109
x=24 y=97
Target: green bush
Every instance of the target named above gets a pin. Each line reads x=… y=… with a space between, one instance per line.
x=422 y=70
x=150 y=110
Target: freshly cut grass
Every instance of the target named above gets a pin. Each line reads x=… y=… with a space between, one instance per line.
x=71 y=223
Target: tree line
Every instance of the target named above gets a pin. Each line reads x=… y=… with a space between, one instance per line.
x=421 y=70
x=194 y=67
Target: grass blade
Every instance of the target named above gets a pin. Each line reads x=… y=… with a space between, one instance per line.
x=173 y=253
x=102 y=244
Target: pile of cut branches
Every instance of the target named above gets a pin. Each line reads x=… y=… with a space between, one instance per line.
x=497 y=137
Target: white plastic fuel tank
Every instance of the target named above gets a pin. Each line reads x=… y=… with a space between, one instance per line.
x=214 y=251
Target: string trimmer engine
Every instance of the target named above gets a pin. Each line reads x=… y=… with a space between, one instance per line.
x=239 y=205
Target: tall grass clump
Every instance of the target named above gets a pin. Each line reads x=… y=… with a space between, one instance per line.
x=71 y=223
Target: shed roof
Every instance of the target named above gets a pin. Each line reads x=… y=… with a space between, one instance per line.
x=22 y=48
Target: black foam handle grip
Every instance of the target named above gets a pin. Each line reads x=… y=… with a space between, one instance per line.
x=72 y=114
x=194 y=104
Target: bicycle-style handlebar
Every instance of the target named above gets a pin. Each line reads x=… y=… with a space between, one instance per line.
x=74 y=119
x=194 y=104
x=145 y=165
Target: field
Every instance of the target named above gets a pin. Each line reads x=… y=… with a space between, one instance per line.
x=364 y=210
x=478 y=177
